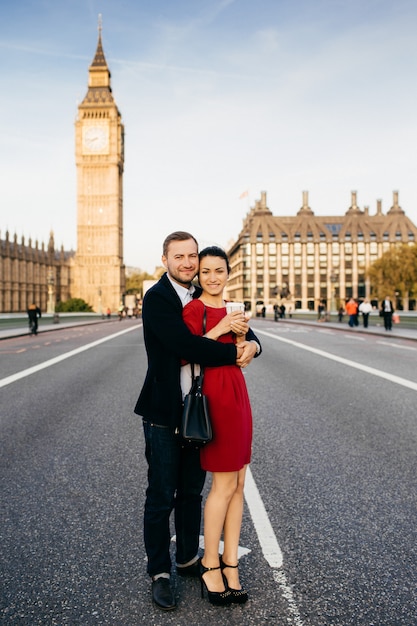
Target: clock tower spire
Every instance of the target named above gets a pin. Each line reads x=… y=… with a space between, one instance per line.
x=99 y=149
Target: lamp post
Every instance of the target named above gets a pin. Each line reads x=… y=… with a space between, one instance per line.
x=100 y=311
x=51 y=299
x=333 y=279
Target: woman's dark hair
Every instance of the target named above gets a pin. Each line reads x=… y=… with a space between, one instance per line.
x=215 y=251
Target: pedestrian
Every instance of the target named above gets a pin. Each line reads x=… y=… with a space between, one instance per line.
x=276 y=313
x=228 y=454
x=34 y=313
x=356 y=316
x=365 y=308
x=352 y=311
x=387 y=309
x=282 y=311
x=340 y=314
x=320 y=311
x=175 y=476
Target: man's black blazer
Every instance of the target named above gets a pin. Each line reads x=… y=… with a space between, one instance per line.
x=167 y=341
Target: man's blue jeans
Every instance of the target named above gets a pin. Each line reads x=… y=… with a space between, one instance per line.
x=175 y=481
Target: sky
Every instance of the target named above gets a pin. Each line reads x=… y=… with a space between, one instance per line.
x=218 y=98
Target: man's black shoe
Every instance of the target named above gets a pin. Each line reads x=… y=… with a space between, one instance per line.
x=162 y=594
x=191 y=570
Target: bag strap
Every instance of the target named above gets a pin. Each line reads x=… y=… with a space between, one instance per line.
x=201 y=375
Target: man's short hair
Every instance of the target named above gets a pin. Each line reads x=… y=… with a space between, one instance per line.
x=178 y=235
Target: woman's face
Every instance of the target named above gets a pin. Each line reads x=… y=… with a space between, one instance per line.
x=213 y=274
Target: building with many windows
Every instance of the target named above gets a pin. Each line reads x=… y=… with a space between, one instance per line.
x=304 y=259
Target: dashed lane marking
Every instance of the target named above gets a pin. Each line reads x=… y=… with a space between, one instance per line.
x=396 y=345
x=269 y=544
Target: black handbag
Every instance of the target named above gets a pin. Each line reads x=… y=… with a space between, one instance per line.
x=195 y=427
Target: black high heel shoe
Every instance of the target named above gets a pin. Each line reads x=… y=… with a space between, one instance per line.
x=238 y=596
x=220 y=598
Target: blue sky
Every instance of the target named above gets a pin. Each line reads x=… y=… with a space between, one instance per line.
x=217 y=97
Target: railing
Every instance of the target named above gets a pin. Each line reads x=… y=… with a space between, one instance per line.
x=408 y=319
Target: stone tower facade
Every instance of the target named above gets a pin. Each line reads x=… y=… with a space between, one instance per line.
x=98 y=272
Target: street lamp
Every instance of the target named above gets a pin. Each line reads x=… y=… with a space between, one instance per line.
x=333 y=279
x=100 y=311
x=51 y=300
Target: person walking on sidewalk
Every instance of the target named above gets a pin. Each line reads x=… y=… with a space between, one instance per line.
x=365 y=308
x=352 y=311
x=387 y=309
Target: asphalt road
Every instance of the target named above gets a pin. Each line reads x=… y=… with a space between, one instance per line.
x=329 y=530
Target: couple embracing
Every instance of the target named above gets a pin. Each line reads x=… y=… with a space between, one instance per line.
x=172 y=316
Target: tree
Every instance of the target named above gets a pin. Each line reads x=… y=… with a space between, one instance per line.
x=73 y=305
x=134 y=282
x=395 y=272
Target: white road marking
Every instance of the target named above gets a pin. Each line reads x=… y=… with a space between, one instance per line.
x=395 y=345
x=37 y=368
x=351 y=336
x=241 y=551
x=269 y=544
x=281 y=579
x=364 y=368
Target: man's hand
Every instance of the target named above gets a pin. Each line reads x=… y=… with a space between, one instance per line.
x=246 y=350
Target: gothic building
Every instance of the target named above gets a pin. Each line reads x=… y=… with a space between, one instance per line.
x=304 y=259
x=28 y=271
x=95 y=273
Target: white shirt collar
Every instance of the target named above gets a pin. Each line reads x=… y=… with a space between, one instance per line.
x=184 y=294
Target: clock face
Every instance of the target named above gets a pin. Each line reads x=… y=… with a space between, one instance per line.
x=95 y=138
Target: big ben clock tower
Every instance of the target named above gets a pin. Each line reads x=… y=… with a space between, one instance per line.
x=99 y=136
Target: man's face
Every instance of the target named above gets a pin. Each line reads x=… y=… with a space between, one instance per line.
x=181 y=261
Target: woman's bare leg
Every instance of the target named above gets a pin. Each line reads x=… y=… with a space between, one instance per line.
x=231 y=535
x=222 y=491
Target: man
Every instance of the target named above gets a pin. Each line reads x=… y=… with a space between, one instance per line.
x=387 y=309
x=33 y=313
x=175 y=478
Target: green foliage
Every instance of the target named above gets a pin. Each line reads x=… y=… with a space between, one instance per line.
x=73 y=305
x=395 y=271
x=134 y=282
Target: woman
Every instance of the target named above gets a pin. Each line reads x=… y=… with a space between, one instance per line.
x=229 y=453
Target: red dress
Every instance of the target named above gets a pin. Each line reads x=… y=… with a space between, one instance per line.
x=228 y=399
